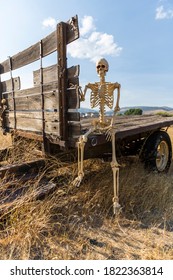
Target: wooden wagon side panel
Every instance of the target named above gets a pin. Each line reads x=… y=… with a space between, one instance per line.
x=49 y=107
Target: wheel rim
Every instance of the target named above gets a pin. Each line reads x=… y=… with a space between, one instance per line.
x=162 y=156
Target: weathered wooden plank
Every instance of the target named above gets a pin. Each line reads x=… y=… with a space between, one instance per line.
x=4 y=66
x=72 y=29
x=73 y=116
x=73 y=71
x=30 y=99
x=73 y=83
x=6 y=86
x=73 y=101
x=74 y=129
x=62 y=79
x=126 y=120
x=134 y=125
x=30 y=54
x=49 y=44
x=125 y=130
x=21 y=168
x=48 y=116
x=34 y=90
x=35 y=125
x=50 y=74
x=33 y=102
x=25 y=57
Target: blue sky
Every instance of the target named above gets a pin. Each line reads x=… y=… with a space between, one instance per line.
x=135 y=36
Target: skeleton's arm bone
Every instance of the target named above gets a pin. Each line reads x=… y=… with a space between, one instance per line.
x=117 y=108
x=83 y=93
x=92 y=87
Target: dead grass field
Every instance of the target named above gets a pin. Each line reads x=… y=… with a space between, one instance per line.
x=77 y=223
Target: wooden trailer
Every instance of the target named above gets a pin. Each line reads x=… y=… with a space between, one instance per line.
x=48 y=111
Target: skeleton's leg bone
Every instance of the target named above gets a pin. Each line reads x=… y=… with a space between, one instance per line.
x=81 y=145
x=115 y=169
x=116 y=205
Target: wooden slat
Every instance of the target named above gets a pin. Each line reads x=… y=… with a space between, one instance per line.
x=73 y=71
x=74 y=129
x=72 y=29
x=49 y=116
x=30 y=99
x=50 y=74
x=33 y=102
x=30 y=54
x=73 y=101
x=25 y=57
x=73 y=116
x=4 y=66
x=6 y=86
x=20 y=168
x=49 y=44
x=34 y=90
x=35 y=125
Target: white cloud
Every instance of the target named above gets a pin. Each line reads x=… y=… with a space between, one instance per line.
x=92 y=44
x=49 y=22
x=87 y=25
x=162 y=13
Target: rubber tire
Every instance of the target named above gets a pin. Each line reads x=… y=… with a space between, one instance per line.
x=149 y=153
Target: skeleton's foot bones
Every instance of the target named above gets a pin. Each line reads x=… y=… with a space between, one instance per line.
x=77 y=181
x=116 y=206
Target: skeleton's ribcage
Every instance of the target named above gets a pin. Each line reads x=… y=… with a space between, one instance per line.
x=102 y=95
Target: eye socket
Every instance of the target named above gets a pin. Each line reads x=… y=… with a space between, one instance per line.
x=100 y=66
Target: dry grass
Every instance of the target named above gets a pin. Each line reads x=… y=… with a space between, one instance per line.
x=77 y=223
x=5 y=141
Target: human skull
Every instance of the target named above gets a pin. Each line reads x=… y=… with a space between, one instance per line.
x=102 y=67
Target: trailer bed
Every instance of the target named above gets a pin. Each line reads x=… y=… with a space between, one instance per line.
x=126 y=126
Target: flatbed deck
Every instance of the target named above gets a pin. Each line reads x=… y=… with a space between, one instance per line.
x=132 y=125
x=131 y=132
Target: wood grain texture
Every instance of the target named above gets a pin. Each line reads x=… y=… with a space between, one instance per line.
x=6 y=86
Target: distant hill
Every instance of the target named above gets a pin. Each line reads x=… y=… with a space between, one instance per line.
x=145 y=109
x=148 y=108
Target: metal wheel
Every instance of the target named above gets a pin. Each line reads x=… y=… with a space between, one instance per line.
x=157 y=152
x=162 y=156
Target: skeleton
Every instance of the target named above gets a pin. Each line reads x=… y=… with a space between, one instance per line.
x=102 y=95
